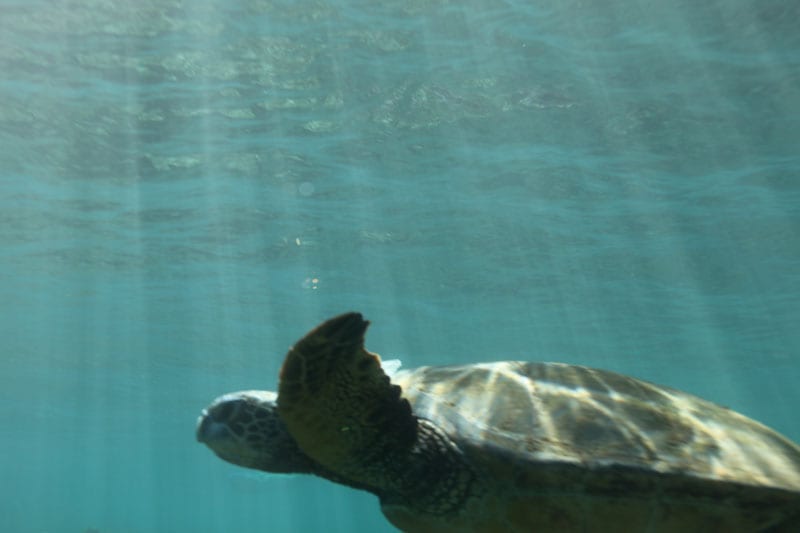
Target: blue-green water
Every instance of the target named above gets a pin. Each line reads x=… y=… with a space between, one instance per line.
x=187 y=187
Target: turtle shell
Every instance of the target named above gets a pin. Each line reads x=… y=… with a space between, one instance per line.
x=569 y=448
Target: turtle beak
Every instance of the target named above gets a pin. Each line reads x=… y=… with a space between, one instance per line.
x=213 y=422
x=211 y=427
x=203 y=423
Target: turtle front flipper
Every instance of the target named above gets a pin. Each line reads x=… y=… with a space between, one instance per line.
x=339 y=405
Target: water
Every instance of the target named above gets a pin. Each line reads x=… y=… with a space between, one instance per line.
x=187 y=187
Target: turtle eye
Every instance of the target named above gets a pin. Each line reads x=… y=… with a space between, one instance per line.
x=224 y=411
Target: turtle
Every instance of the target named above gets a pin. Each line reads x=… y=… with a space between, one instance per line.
x=509 y=446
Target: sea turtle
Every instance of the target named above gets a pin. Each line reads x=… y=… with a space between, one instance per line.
x=509 y=446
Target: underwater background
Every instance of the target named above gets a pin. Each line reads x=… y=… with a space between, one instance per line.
x=187 y=187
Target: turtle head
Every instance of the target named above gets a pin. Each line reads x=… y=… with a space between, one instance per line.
x=243 y=428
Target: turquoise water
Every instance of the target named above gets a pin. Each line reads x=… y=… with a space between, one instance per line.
x=187 y=187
